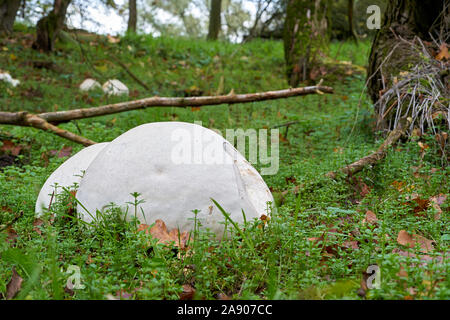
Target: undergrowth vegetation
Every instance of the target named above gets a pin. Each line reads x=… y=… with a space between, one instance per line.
x=317 y=245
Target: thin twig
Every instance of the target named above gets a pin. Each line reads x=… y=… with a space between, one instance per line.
x=131 y=74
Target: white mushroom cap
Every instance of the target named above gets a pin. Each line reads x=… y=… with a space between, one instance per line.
x=162 y=161
x=66 y=175
x=89 y=84
x=115 y=88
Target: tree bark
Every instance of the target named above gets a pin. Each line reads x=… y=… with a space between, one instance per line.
x=8 y=12
x=48 y=27
x=214 y=19
x=351 y=28
x=389 y=56
x=305 y=36
x=132 y=16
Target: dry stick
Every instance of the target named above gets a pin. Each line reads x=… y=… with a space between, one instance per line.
x=376 y=156
x=64 y=116
x=43 y=121
x=31 y=120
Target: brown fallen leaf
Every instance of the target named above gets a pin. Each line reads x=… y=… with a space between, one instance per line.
x=14 y=285
x=64 y=152
x=399 y=185
x=422 y=204
x=370 y=218
x=443 y=53
x=160 y=232
x=425 y=244
x=9 y=146
x=223 y=296
x=11 y=235
x=36 y=224
x=441 y=138
x=350 y=244
x=188 y=292
x=405 y=239
x=436 y=203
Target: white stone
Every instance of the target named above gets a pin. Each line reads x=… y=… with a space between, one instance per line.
x=7 y=78
x=89 y=84
x=66 y=175
x=149 y=159
x=115 y=88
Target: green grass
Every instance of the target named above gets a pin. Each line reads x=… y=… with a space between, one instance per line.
x=259 y=261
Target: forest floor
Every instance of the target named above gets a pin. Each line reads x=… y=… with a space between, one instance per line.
x=318 y=245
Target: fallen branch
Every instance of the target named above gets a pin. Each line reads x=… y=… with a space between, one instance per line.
x=31 y=120
x=376 y=156
x=46 y=121
x=64 y=116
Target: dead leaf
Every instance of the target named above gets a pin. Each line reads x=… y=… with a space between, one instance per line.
x=399 y=185
x=370 y=218
x=36 y=224
x=405 y=239
x=423 y=148
x=443 y=54
x=436 y=203
x=188 y=292
x=351 y=244
x=422 y=204
x=11 y=235
x=441 y=138
x=160 y=232
x=223 y=296
x=64 y=152
x=402 y=273
x=14 y=285
x=425 y=244
x=11 y=147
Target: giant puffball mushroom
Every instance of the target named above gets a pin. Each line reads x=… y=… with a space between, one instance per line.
x=176 y=168
x=89 y=84
x=66 y=175
x=115 y=88
x=7 y=78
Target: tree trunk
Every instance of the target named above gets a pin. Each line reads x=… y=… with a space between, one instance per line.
x=305 y=37
x=214 y=19
x=48 y=27
x=351 y=29
x=132 y=16
x=8 y=12
x=389 y=56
